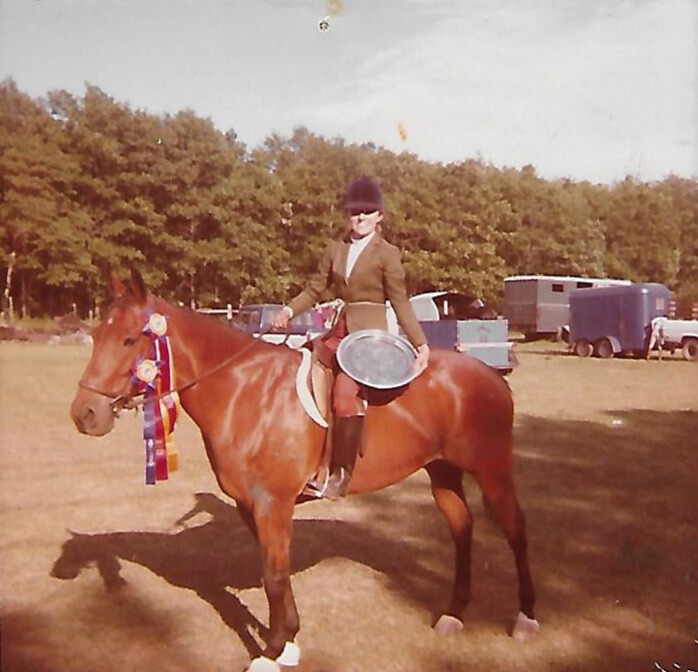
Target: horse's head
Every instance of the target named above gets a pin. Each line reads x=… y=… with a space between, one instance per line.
x=73 y=558
x=118 y=344
x=83 y=550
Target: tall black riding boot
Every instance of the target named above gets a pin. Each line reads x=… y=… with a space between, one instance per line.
x=346 y=439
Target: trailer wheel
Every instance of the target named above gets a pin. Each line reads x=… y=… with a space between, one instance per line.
x=604 y=349
x=582 y=348
x=689 y=350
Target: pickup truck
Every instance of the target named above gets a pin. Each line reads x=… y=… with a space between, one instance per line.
x=463 y=323
x=674 y=335
x=256 y=320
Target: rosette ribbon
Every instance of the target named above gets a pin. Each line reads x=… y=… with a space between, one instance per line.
x=155 y=377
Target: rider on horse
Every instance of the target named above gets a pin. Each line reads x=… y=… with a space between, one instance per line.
x=365 y=271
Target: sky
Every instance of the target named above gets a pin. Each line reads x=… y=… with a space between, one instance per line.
x=582 y=89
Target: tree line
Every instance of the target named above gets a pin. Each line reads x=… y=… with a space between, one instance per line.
x=88 y=183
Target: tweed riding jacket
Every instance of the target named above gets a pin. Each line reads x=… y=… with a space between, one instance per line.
x=377 y=276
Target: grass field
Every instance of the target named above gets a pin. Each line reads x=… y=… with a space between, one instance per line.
x=167 y=579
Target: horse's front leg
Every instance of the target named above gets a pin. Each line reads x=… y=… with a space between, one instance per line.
x=274 y=521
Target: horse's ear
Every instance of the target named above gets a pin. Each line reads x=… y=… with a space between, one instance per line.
x=115 y=287
x=137 y=286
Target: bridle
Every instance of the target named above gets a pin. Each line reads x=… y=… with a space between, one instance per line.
x=132 y=400
x=118 y=402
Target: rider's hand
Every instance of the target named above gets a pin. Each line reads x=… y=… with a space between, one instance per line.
x=282 y=317
x=422 y=358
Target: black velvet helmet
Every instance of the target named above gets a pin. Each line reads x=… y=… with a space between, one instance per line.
x=364 y=194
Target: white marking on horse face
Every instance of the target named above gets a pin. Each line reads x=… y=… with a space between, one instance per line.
x=110 y=320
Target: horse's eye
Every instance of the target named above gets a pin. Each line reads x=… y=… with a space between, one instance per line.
x=130 y=340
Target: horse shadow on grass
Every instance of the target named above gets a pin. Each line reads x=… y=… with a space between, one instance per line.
x=610 y=506
x=220 y=557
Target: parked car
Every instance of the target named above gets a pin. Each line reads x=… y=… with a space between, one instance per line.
x=256 y=319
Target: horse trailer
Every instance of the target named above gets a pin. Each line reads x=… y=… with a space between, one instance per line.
x=607 y=321
x=539 y=304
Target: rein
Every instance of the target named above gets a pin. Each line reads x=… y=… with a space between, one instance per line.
x=130 y=402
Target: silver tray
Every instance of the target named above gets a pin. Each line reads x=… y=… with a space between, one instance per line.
x=377 y=358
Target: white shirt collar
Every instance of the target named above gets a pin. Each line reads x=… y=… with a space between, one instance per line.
x=355 y=249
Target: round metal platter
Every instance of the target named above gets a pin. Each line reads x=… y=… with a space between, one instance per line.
x=377 y=358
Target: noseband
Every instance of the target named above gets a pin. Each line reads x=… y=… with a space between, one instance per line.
x=118 y=402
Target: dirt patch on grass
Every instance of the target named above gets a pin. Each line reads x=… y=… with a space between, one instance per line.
x=101 y=574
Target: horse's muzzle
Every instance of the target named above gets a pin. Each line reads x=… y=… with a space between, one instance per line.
x=92 y=415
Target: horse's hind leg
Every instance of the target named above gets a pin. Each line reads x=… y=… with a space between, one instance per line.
x=500 y=499
x=447 y=489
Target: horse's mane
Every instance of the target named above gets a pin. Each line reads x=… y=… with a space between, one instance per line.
x=212 y=324
x=217 y=333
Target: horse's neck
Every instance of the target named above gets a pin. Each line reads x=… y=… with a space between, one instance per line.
x=200 y=345
x=198 y=342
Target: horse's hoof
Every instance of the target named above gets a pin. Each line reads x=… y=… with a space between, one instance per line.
x=525 y=628
x=448 y=625
x=290 y=656
x=263 y=664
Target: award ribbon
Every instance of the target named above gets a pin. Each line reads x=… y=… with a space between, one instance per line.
x=155 y=376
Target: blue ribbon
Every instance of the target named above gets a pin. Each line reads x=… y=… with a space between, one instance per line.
x=149 y=435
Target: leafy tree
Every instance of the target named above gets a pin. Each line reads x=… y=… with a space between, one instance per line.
x=88 y=182
x=684 y=198
x=553 y=231
x=44 y=233
x=642 y=233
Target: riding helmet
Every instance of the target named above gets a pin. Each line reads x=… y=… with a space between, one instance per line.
x=364 y=193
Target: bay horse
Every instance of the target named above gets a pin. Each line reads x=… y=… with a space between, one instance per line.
x=456 y=417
